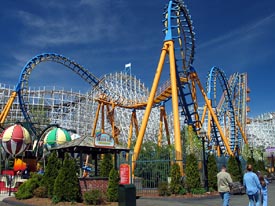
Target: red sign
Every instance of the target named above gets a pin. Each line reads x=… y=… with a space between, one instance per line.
x=124 y=171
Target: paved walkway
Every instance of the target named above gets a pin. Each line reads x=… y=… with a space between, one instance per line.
x=236 y=200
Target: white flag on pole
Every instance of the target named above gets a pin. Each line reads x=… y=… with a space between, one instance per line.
x=128 y=65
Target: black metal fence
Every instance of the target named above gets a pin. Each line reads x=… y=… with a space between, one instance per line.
x=150 y=171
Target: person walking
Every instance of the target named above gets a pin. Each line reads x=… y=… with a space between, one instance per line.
x=264 y=192
x=41 y=171
x=252 y=185
x=224 y=180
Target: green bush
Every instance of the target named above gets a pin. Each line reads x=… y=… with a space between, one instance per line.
x=163 y=189
x=198 y=191
x=41 y=192
x=51 y=172
x=192 y=180
x=66 y=185
x=261 y=166
x=175 y=184
x=212 y=171
x=112 y=190
x=55 y=199
x=182 y=191
x=211 y=189
x=25 y=191
x=106 y=165
x=94 y=197
x=234 y=169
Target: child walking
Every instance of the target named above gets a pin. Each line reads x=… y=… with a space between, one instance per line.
x=264 y=183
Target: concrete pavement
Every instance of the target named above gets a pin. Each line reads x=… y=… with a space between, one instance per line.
x=236 y=200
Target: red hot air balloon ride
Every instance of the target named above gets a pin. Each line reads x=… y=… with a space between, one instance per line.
x=15 y=139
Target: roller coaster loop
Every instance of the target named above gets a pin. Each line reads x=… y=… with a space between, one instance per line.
x=22 y=85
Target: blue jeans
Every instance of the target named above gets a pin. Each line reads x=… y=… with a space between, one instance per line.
x=254 y=199
x=264 y=199
x=225 y=198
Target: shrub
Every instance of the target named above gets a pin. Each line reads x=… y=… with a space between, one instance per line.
x=23 y=192
x=163 y=189
x=66 y=185
x=211 y=189
x=94 y=197
x=112 y=190
x=212 y=172
x=198 y=191
x=261 y=166
x=26 y=190
x=234 y=169
x=175 y=184
x=106 y=165
x=182 y=191
x=40 y=192
x=51 y=172
x=192 y=173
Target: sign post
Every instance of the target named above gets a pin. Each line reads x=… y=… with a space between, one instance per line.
x=124 y=172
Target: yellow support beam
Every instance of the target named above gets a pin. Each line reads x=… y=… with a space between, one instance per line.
x=175 y=106
x=242 y=132
x=7 y=107
x=150 y=103
x=96 y=119
x=194 y=76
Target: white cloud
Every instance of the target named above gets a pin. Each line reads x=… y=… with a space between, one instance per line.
x=247 y=32
x=79 y=25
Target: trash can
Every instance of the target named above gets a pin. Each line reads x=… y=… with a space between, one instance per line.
x=127 y=195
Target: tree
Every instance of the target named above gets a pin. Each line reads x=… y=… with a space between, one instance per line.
x=106 y=165
x=212 y=171
x=66 y=186
x=175 y=184
x=51 y=172
x=193 y=143
x=192 y=173
x=112 y=190
x=261 y=166
x=234 y=169
x=153 y=172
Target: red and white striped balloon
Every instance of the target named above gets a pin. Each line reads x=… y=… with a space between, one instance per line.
x=15 y=139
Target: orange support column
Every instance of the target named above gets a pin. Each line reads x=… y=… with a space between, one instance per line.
x=149 y=107
x=175 y=102
x=96 y=119
x=7 y=107
x=213 y=115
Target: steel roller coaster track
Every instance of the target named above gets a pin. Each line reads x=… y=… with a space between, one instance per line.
x=179 y=45
x=227 y=108
x=22 y=86
x=225 y=111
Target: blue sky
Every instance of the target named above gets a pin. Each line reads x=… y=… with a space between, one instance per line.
x=103 y=36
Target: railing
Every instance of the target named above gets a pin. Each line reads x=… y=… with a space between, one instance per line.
x=9 y=182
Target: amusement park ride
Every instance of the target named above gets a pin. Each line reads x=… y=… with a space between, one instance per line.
x=223 y=119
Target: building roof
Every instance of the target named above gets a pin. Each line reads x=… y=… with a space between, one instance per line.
x=86 y=145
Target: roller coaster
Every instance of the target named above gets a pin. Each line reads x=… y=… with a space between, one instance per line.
x=223 y=118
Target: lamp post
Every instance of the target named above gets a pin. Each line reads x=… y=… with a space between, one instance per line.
x=202 y=135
